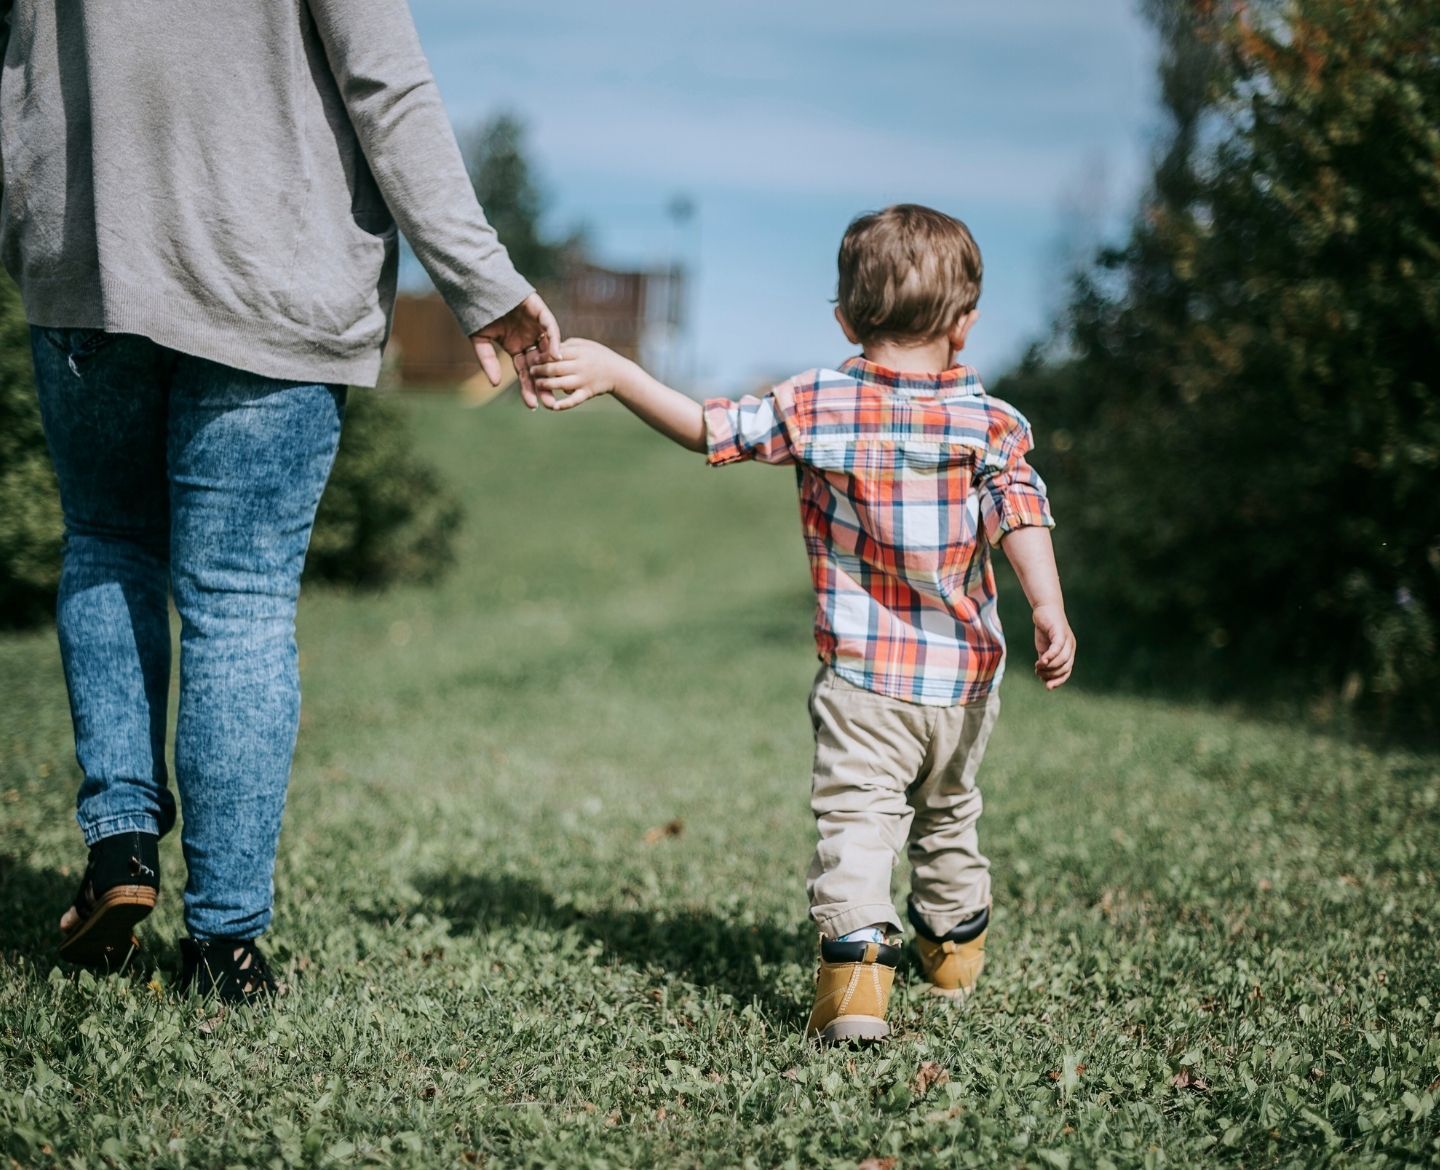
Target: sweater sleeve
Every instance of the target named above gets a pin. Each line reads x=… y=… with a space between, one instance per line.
x=5 y=16
x=390 y=94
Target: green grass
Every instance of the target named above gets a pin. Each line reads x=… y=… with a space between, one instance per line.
x=1215 y=939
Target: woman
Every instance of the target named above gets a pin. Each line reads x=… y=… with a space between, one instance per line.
x=200 y=207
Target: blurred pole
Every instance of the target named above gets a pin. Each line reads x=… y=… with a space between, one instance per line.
x=682 y=272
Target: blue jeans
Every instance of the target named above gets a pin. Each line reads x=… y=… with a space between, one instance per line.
x=182 y=477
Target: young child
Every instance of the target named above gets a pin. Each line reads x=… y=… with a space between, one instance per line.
x=908 y=473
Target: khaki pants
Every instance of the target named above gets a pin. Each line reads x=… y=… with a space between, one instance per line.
x=891 y=775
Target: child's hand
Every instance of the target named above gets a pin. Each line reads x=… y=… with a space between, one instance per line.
x=1054 y=644
x=585 y=371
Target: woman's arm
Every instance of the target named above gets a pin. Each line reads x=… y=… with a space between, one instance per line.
x=394 y=106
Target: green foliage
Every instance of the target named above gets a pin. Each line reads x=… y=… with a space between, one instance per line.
x=1214 y=939
x=508 y=190
x=386 y=515
x=30 y=523
x=1247 y=418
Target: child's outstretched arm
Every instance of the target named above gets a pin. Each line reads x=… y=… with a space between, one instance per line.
x=1032 y=556
x=587 y=370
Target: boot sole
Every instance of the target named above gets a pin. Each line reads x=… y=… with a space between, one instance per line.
x=107 y=935
x=853 y=1029
x=951 y=994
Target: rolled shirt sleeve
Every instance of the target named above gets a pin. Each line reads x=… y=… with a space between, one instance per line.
x=759 y=428
x=1012 y=494
x=395 y=108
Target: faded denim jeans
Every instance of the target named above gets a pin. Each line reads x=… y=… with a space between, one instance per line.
x=180 y=477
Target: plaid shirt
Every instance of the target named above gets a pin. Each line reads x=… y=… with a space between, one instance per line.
x=899 y=474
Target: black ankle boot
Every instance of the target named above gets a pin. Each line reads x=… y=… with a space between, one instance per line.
x=120 y=887
x=231 y=969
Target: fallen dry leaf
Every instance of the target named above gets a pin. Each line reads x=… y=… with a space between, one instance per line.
x=669 y=829
x=927 y=1076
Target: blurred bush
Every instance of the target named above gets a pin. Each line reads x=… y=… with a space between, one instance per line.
x=29 y=504
x=1242 y=417
x=386 y=516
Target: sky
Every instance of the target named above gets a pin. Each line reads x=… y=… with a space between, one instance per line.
x=1032 y=120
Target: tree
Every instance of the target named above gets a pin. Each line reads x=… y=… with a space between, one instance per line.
x=510 y=193
x=1251 y=409
x=506 y=186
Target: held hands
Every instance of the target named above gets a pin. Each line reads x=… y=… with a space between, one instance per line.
x=585 y=371
x=528 y=328
x=1054 y=645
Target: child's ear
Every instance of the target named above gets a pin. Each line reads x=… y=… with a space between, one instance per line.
x=961 y=330
x=850 y=335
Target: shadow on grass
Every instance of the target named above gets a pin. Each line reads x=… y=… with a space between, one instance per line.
x=31 y=902
x=697 y=946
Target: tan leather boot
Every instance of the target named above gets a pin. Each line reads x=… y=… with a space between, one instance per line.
x=952 y=964
x=852 y=991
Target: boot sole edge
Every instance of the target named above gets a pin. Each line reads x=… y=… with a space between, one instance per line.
x=107 y=934
x=852 y=1029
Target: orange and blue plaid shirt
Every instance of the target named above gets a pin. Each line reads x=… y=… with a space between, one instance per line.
x=906 y=480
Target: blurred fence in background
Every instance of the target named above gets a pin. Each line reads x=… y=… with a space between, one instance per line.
x=639 y=313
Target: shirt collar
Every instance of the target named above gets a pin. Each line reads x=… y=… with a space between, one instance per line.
x=955 y=382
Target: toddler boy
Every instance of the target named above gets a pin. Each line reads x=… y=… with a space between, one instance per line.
x=908 y=472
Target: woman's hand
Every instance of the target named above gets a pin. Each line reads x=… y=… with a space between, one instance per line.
x=527 y=329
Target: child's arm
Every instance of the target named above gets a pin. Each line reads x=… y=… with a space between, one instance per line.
x=1032 y=556
x=588 y=370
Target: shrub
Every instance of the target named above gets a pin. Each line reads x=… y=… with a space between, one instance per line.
x=30 y=524
x=385 y=517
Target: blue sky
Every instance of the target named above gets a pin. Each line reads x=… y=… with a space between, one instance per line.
x=781 y=119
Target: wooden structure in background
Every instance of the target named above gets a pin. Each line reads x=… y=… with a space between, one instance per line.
x=639 y=314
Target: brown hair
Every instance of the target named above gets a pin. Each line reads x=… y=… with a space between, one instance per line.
x=907 y=272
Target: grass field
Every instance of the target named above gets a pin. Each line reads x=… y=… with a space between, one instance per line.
x=540 y=897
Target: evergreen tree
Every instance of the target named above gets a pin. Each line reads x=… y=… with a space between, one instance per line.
x=1250 y=417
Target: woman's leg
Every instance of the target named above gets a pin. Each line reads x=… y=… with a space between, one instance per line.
x=248 y=460
x=103 y=403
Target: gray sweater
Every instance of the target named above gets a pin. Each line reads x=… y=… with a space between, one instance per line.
x=225 y=177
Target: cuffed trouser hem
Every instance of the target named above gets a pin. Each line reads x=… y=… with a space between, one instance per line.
x=942 y=922
x=210 y=936
x=204 y=925
x=114 y=826
x=842 y=920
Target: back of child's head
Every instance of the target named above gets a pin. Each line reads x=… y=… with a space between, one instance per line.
x=907 y=273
